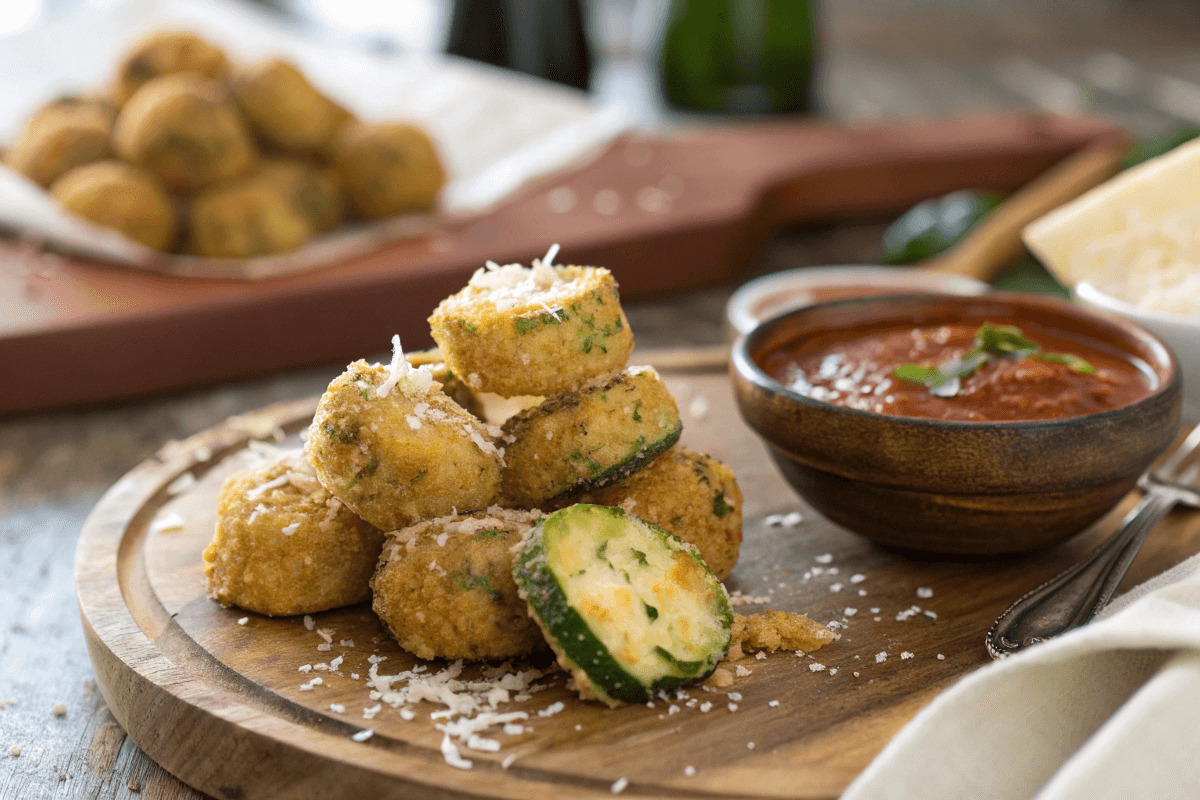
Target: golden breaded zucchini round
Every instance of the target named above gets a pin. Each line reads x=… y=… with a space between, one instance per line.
x=184 y=128
x=284 y=545
x=628 y=608
x=286 y=109
x=313 y=190
x=245 y=217
x=390 y=445
x=583 y=440
x=120 y=196
x=693 y=496
x=537 y=331
x=165 y=53
x=61 y=136
x=387 y=168
x=444 y=587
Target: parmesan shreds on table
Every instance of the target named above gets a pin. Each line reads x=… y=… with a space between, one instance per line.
x=471 y=705
x=1151 y=265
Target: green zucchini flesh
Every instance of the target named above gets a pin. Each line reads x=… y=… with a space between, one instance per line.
x=629 y=608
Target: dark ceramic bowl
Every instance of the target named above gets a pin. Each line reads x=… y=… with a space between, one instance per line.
x=956 y=487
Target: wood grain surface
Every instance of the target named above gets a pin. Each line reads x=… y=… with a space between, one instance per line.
x=683 y=209
x=219 y=704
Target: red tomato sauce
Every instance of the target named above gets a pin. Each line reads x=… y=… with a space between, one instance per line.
x=854 y=368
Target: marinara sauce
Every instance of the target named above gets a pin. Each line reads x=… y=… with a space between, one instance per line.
x=855 y=368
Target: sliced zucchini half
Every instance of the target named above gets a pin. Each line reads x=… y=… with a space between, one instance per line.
x=580 y=441
x=628 y=608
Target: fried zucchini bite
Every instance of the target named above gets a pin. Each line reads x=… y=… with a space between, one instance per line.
x=61 y=136
x=583 y=440
x=691 y=495
x=184 y=129
x=444 y=587
x=165 y=53
x=387 y=168
x=120 y=196
x=628 y=608
x=390 y=445
x=312 y=190
x=285 y=109
x=536 y=331
x=245 y=217
x=284 y=545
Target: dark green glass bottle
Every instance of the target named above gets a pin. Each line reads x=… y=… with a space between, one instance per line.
x=740 y=56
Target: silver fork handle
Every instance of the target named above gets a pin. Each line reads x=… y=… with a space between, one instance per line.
x=1073 y=597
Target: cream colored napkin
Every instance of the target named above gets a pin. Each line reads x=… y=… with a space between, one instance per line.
x=1111 y=710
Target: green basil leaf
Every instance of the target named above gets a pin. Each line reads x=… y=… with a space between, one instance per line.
x=1073 y=362
x=930 y=376
x=962 y=367
x=1003 y=339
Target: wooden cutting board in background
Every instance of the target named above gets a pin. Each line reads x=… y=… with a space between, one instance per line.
x=219 y=703
x=666 y=213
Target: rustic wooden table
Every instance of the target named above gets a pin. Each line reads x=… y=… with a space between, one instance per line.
x=1132 y=62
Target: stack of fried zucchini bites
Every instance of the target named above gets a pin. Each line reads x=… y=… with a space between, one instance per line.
x=187 y=152
x=579 y=524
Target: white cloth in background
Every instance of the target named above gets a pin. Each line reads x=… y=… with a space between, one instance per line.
x=495 y=130
x=1111 y=710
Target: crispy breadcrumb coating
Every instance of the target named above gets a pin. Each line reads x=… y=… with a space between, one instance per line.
x=777 y=630
x=537 y=331
x=120 y=196
x=165 y=53
x=284 y=545
x=691 y=495
x=184 y=128
x=444 y=587
x=583 y=440
x=389 y=444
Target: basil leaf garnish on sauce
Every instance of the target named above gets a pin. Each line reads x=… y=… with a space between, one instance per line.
x=991 y=341
x=1073 y=362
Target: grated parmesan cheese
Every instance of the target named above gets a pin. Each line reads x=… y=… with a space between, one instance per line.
x=412 y=381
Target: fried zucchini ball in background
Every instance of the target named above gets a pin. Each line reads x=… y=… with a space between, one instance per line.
x=390 y=445
x=540 y=331
x=62 y=135
x=284 y=545
x=691 y=495
x=387 y=168
x=580 y=441
x=186 y=130
x=165 y=53
x=444 y=587
x=245 y=217
x=120 y=196
x=285 y=109
x=313 y=190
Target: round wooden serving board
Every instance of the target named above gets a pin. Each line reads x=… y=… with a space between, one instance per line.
x=219 y=703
